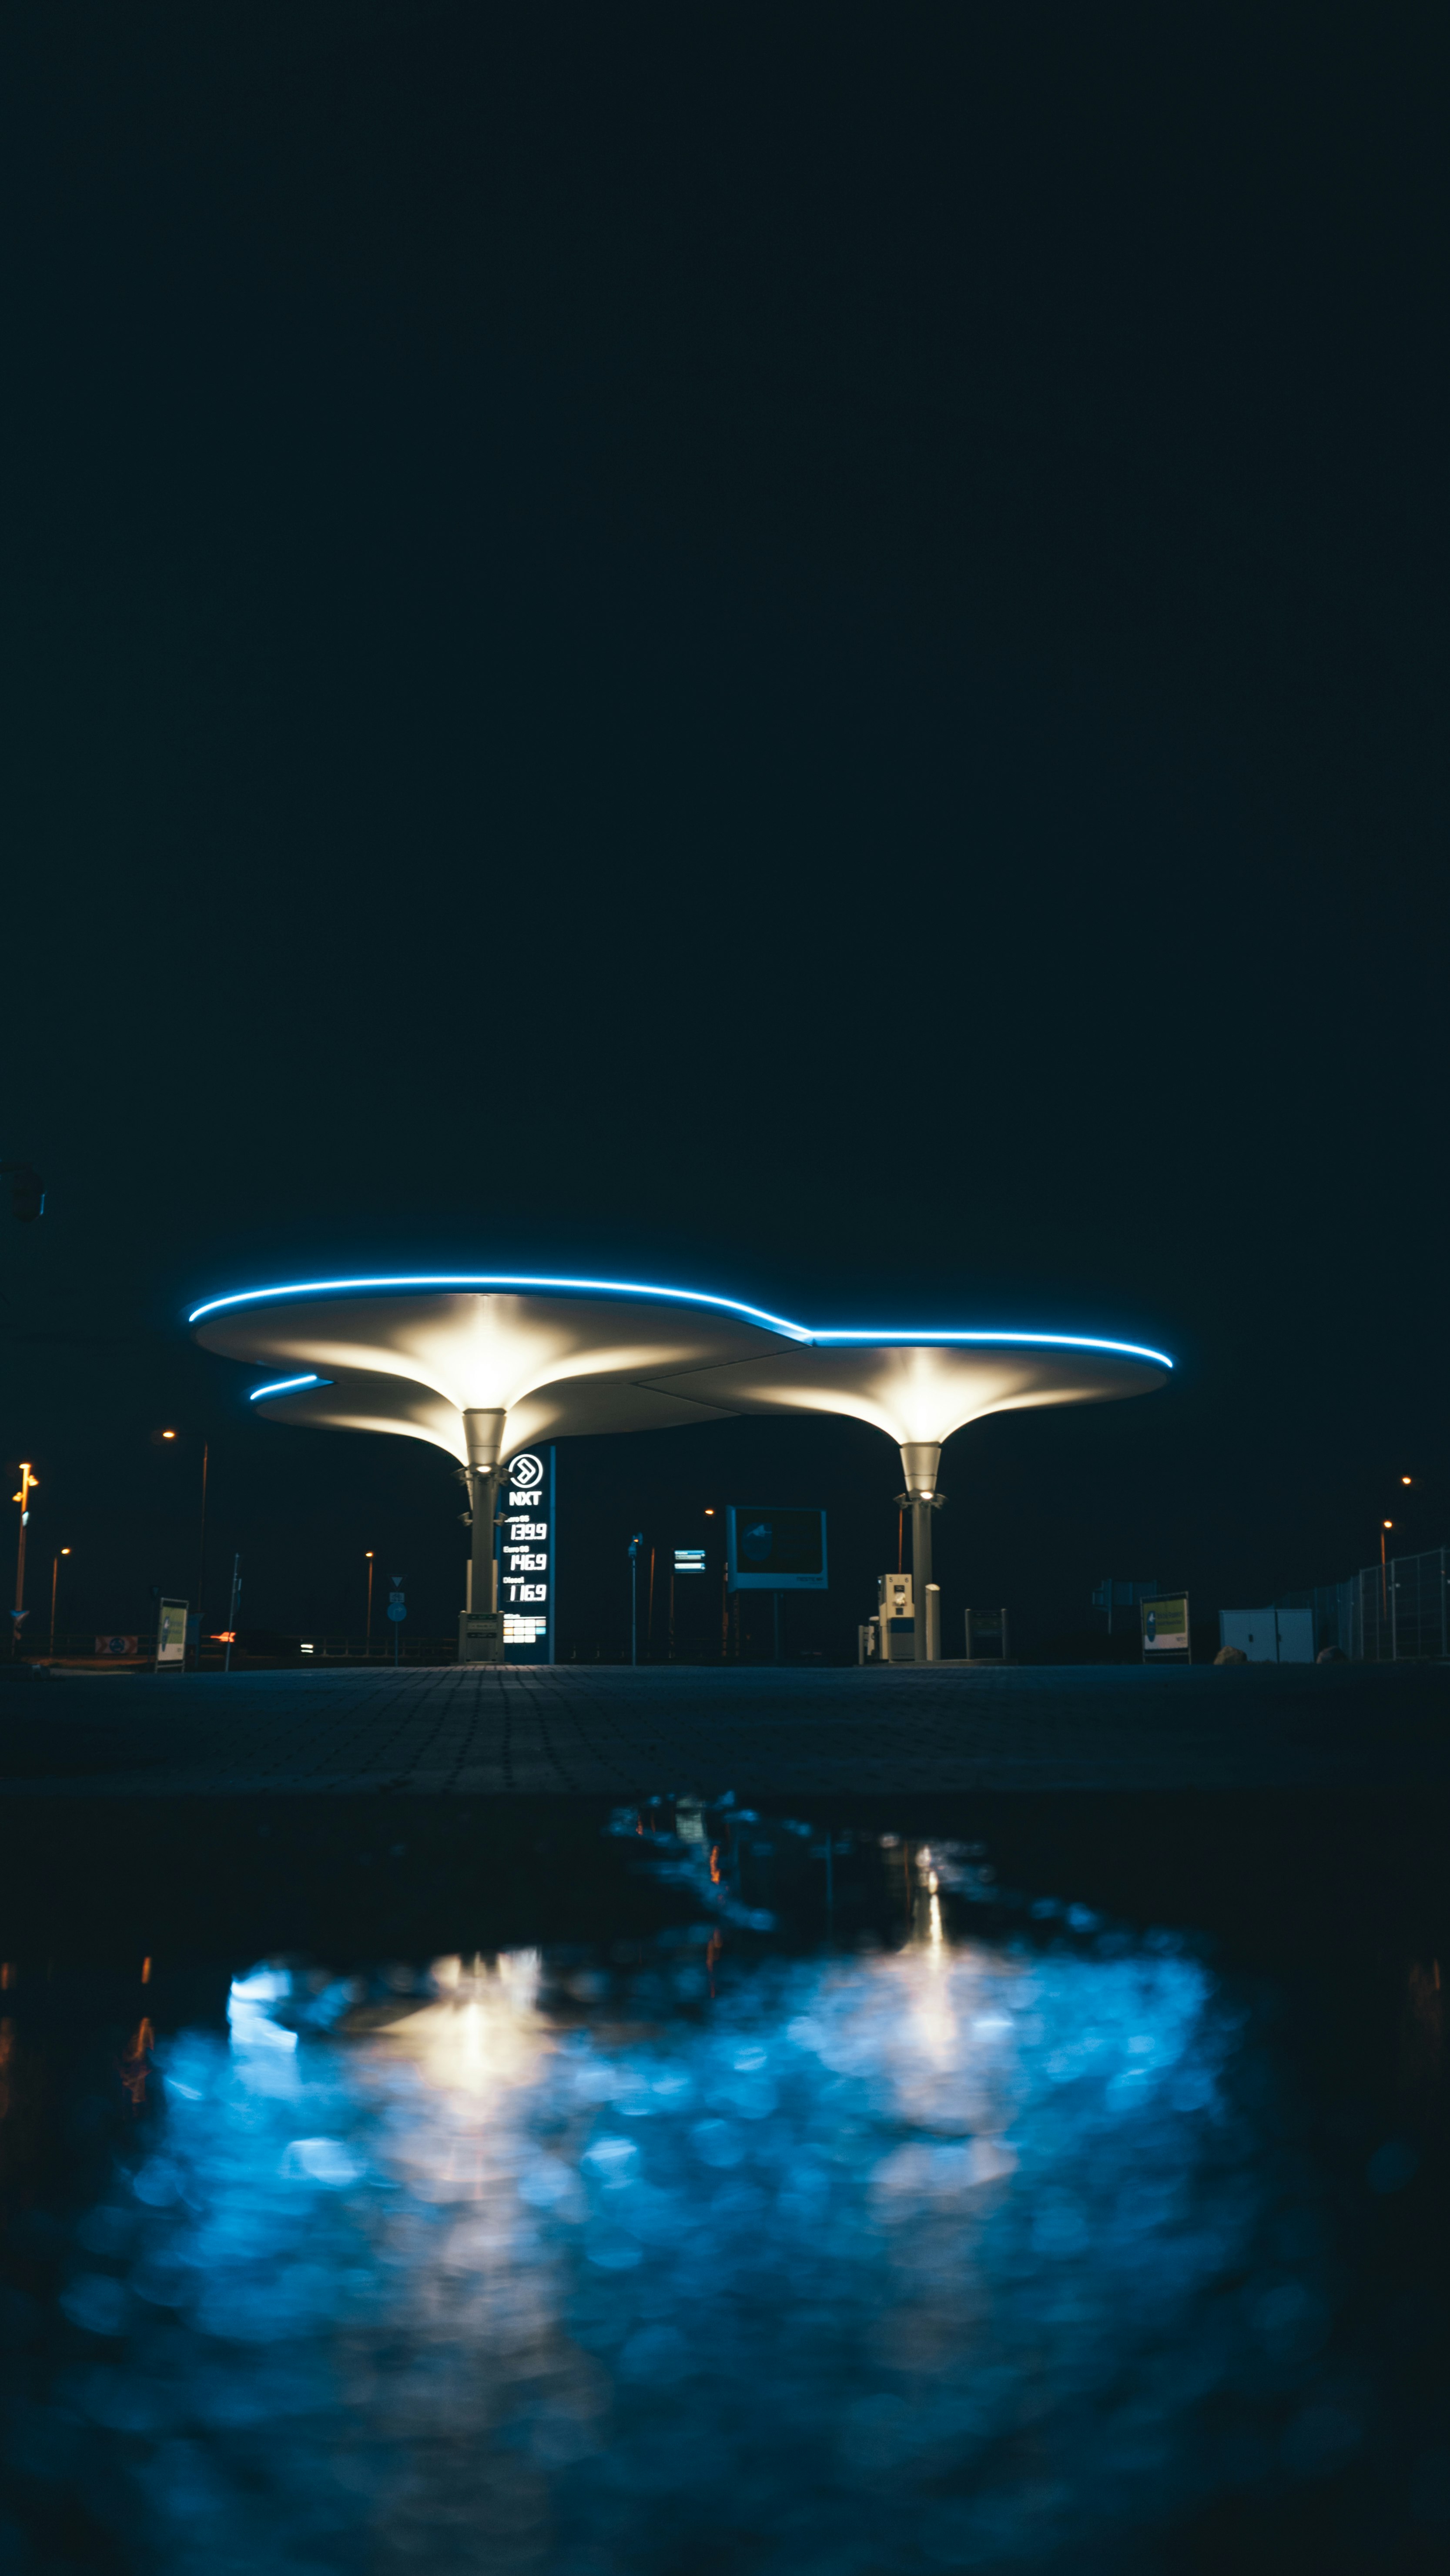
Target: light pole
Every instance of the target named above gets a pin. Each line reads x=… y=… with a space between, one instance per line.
x=54 y=1580
x=634 y=1547
x=1384 y=1570
x=172 y=1438
x=28 y=1484
x=368 y=1640
x=724 y=1590
x=201 y=1558
x=232 y=1611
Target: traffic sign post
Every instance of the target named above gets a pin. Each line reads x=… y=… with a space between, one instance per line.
x=397 y=1612
x=774 y=1549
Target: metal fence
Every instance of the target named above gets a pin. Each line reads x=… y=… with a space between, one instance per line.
x=1401 y=1615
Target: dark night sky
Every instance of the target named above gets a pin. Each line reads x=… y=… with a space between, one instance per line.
x=797 y=649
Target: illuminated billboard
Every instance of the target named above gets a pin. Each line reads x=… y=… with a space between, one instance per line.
x=527 y=1556
x=171 y=1635
x=775 y=1548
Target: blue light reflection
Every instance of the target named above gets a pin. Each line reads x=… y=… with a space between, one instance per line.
x=947 y=2256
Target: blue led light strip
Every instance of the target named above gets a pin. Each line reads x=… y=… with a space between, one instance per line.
x=1033 y=1341
x=503 y=1279
x=286 y=1386
x=824 y=1337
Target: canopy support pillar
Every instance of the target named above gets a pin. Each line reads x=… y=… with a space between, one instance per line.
x=921 y=1460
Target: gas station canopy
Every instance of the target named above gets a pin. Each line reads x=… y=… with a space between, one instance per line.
x=483 y=1365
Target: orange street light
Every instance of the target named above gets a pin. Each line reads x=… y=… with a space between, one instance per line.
x=54 y=1579
x=28 y=1484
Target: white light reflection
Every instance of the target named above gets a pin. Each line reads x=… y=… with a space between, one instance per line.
x=249 y=2016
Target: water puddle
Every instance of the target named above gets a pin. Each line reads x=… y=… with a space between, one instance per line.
x=850 y=2217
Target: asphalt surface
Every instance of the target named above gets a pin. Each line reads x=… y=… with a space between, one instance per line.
x=606 y=1731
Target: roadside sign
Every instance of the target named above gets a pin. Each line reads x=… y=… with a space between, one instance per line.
x=775 y=1548
x=1165 y=1629
x=171 y=1634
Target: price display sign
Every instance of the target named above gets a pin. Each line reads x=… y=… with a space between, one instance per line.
x=527 y=1557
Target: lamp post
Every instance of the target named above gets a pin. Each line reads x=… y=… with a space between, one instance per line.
x=28 y=1484
x=635 y=1545
x=172 y=1439
x=54 y=1580
x=201 y=1558
x=232 y=1608
x=368 y=1640
x=1384 y=1572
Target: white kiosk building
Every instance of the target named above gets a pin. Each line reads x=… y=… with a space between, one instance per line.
x=482 y=1365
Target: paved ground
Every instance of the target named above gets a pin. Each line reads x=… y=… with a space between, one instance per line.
x=612 y=1733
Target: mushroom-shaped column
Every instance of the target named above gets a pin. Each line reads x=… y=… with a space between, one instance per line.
x=921 y=1387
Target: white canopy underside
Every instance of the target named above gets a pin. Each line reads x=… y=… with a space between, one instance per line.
x=562 y=1366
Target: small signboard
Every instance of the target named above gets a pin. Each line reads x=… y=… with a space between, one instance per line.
x=1165 y=1629
x=689 y=1560
x=171 y=1634
x=480 y=1637
x=118 y=1645
x=986 y=1637
x=775 y=1548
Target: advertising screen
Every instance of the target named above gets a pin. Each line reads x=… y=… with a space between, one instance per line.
x=1165 y=1626
x=775 y=1548
x=171 y=1634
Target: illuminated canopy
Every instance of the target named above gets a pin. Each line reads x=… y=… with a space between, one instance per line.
x=482 y=1365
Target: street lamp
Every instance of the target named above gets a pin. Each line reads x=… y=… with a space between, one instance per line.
x=54 y=1579
x=28 y=1485
x=158 y=1440
x=1384 y=1570
x=368 y=1640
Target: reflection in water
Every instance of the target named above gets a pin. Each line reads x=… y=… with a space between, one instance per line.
x=972 y=2252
